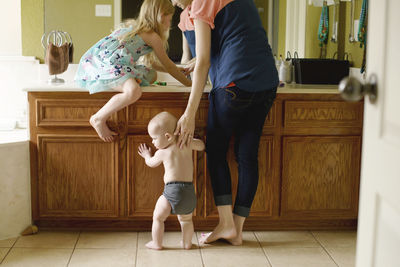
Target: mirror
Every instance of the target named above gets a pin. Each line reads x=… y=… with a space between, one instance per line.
x=291 y=25
x=301 y=19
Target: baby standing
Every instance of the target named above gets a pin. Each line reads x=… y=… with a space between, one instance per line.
x=179 y=196
x=112 y=62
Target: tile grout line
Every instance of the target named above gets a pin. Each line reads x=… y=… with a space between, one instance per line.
x=70 y=257
x=8 y=252
x=323 y=247
x=201 y=252
x=265 y=253
x=137 y=248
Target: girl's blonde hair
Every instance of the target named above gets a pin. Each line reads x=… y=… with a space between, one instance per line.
x=150 y=19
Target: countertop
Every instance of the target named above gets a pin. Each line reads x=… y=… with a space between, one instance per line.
x=175 y=87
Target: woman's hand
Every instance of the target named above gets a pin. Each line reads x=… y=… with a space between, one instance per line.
x=190 y=65
x=185 y=129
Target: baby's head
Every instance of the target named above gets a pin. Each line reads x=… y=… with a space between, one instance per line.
x=161 y=129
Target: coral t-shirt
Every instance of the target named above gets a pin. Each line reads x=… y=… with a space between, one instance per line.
x=202 y=10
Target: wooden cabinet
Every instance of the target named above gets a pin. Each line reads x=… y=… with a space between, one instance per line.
x=77 y=176
x=309 y=164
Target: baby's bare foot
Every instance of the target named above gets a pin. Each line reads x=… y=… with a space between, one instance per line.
x=152 y=245
x=221 y=231
x=102 y=129
x=186 y=245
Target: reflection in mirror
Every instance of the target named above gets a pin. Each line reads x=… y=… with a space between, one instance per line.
x=303 y=17
x=79 y=19
x=291 y=25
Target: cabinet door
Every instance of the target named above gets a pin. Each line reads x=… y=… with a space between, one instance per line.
x=320 y=177
x=77 y=176
x=145 y=184
x=266 y=200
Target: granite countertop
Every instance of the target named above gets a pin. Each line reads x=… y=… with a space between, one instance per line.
x=173 y=87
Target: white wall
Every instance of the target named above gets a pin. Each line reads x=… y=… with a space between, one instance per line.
x=16 y=72
x=10 y=33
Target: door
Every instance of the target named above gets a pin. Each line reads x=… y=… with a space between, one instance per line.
x=378 y=242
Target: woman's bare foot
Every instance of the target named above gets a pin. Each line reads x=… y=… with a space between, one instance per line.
x=186 y=246
x=221 y=231
x=152 y=245
x=102 y=129
x=236 y=241
x=239 y=221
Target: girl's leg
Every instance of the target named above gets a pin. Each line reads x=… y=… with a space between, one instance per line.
x=161 y=213
x=130 y=92
x=187 y=230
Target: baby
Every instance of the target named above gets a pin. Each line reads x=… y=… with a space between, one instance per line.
x=179 y=196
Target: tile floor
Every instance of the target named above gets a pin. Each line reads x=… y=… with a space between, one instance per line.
x=114 y=249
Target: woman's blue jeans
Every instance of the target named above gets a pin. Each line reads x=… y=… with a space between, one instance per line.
x=240 y=114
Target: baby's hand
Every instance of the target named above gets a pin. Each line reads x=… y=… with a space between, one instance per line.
x=144 y=151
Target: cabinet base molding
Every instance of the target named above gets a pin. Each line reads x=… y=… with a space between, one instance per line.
x=252 y=224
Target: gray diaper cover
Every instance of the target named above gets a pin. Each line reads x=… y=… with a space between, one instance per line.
x=181 y=196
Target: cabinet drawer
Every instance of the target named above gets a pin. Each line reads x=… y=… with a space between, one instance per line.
x=322 y=114
x=66 y=112
x=140 y=113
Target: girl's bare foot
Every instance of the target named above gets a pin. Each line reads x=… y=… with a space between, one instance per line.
x=152 y=245
x=221 y=231
x=102 y=129
x=186 y=246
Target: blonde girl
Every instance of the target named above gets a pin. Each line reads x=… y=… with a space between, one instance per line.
x=112 y=62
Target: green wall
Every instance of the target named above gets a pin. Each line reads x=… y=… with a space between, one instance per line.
x=343 y=45
x=74 y=16
x=353 y=49
x=78 y=18
x=32 y=27
x=282 y=28
x=313 y=49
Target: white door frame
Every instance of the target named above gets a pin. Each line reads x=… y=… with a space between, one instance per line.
x=117 y=12
x=296 y=11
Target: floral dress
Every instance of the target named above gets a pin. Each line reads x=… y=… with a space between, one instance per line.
x=110 y=62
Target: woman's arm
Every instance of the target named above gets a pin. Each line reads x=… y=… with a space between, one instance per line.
x=186 y=124
x=186 y=54
x=155 y=42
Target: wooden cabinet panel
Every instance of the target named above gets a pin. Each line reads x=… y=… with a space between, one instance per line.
x=320 y=177
x=270 y=121
x=323 y=117
x=265 y=197
x=77 y=177
x=141 y=112
x=66 y=112
x=145 y=184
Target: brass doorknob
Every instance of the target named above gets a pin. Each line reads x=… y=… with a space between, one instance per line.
x=352 y=90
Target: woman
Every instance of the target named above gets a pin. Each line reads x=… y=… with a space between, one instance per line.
x=230 y=44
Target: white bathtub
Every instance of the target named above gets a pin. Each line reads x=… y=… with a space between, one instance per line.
x=15 y=192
